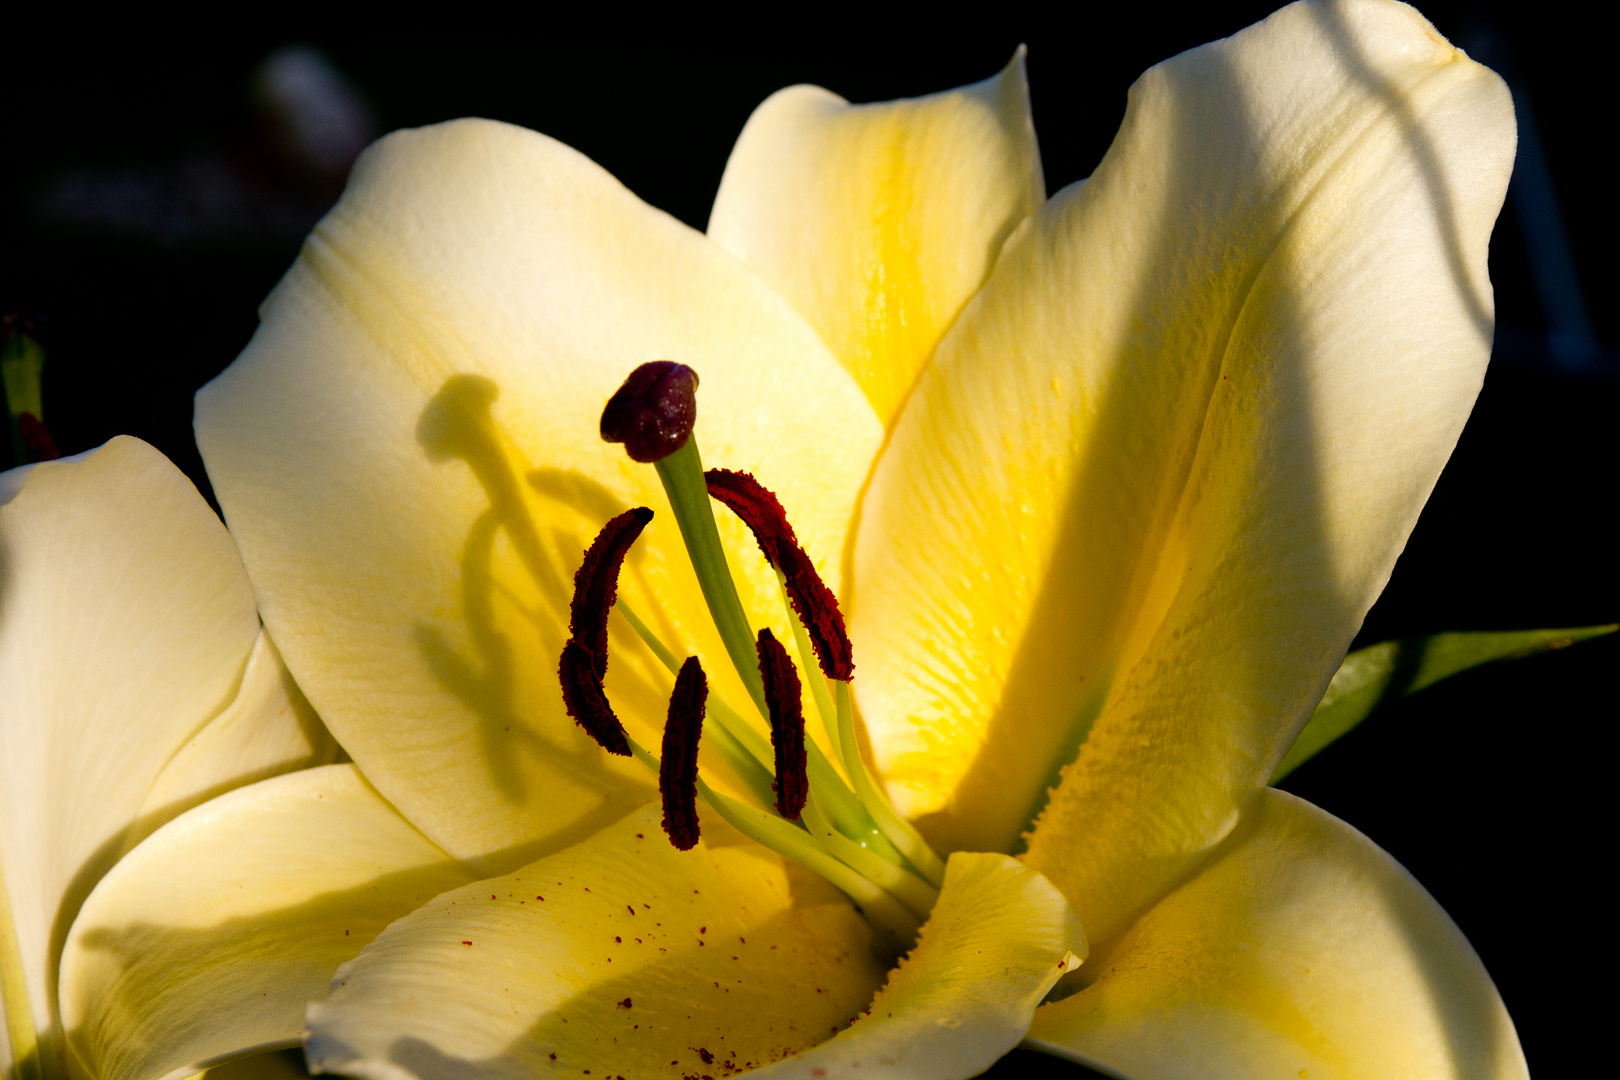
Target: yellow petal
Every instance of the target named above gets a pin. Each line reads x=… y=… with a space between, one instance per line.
x=1164 y=462
x=1299 y=950
x=407 y=453
x=267 y=730
x=125 y=624
x=879 y=221
x=209 y=938
x=620 y=955
x=996 y=942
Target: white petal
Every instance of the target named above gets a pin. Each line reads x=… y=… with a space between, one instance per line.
x=879 y=221
x=1299 y=950
x=1164 y=462
x=996 y=942
x=267 y=730
x=620 y=955
x=209 y=938
x=125 y=625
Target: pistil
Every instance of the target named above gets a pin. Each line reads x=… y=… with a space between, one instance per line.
x=853 y=838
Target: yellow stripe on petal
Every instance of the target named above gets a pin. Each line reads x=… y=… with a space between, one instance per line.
x=1299 y=950
x=208 y=939
x=620 y=956
x=126 y=621
x=879 y=221
x=408 y=454
x=996 y=942
x=1165 y=461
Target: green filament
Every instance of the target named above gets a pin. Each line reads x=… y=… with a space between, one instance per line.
x=895 y=827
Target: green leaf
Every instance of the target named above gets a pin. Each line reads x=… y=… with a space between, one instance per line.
x=1392 y=669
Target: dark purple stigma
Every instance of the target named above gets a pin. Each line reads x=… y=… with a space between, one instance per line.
x=678 y=768
x=653 y=412
x=596 y=582
x=815 y=604
x=787 y=725
x=587 y=701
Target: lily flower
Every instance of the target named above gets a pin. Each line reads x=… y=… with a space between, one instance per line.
x=135 y=683
x=1103 y=485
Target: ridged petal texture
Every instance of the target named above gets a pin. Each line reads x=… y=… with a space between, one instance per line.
x=134 y=682
x=407 y=454
x=1164 y=462
x=998 y=939
x=210 y=937
x=1299 y=950
x=618 y=956
x=879 y=221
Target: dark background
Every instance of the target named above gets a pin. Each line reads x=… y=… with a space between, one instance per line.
x=149 y=201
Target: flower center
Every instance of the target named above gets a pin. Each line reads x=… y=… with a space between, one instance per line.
x=830 y=817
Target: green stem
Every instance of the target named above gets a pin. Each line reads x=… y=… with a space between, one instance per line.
x=747 y=753
x=906 y=887
x=844 y=808
x=895 y=827
x=682 y=476
x=795 y=843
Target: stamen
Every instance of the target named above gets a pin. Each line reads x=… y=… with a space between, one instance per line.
x=677 y=771
x=815 y=604
x=653 y=412
x=586 y=700
x=818 y=610
x=584 y=659
x=756 y=504
x=596 y=583
x=787 y=725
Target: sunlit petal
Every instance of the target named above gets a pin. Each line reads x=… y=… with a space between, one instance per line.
x=407 y=453
x=618 y=956
x=1163 y=464
x=997 y=941
x=125 y=624
x=1299 y=950
x=879 y=221
x=211 y=936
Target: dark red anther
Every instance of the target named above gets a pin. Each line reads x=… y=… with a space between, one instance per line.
x=678 y=769
x=787 y=725
x=815 y=604
x=587 y=701
x=596 y=583
x=653 y=412
x=756 y=504
x=818 y=610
